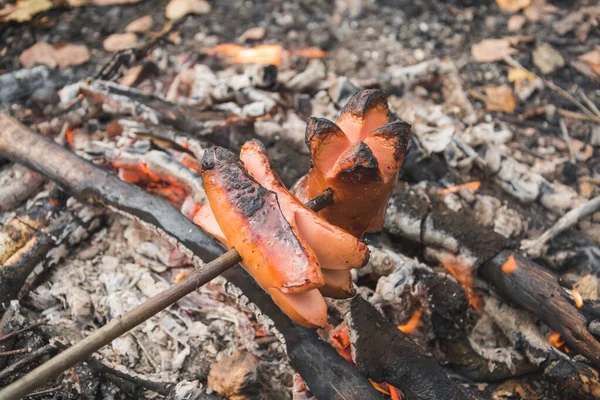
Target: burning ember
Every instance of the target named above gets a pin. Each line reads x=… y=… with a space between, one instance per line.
x=262 y=54
x=472 y=186
x=556 y=341
x=510 y=265
x=463 y=275
x=577 y=298
x=412 y=324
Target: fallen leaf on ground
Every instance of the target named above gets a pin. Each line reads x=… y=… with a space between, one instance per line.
x=592 y=59
x=179 y=8
x=113 y=2
x=25 y=9
x=500 y=98
x=517 y=75
x=490 y=50
x=547 y=59
x=513 y=5
x=61 y=55
x=120 y=41
x=525 y=82
x=71 y=54
x=255 y=33
x=39 y=53
x=515 y=23
x=142 y=24
x=539 y=10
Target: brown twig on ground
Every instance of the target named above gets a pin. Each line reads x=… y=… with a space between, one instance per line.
x=13 y=352
x=23 y=362
x=126 y=58
x=19 y=331
x=534 y=247
x=514 y=63
x=44 y=392
x=565 y=133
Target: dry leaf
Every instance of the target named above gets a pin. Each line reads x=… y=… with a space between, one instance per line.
x=517 y=75
x=490 y=50
x=142 y=24
x=513 y=5
x=39 y=53
x=131 y=75
x=25 y=9
x=515 y=23
x=62 y=55
x=539 y=10
x=255 y=33
x=120 y=41
x=113 y=2
x=592 y=59
x=179 y=8
x=547 y=59
x=71 y=54
x=500 y=98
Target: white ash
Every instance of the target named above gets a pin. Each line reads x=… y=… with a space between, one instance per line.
x=382 y=262
x=170 y=346
x=519 y=329
x=485 y=343
x=187 y=390
x=126 y=347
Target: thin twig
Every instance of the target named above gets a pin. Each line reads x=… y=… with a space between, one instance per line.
x=18 y=331
x=514 y=63
x=589 y=103
x=123 y=323
x=575 y=115
x=535 y=247
x=22 y=363
x=13 y=352
x=44 y=392
x=155 y=386
x=565 y=133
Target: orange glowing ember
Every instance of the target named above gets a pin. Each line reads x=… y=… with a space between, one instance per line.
x=395 y=393
x=462 y=273
x=412 y=323
x=69 y=136
x=341 y=342
x=555 y=340
x=381 y=387
x=577 y=298
x=262 y=54
x=510 y=265
x=472 y=186
x=181 y=276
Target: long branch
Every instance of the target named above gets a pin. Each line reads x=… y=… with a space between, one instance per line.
x=327 y=374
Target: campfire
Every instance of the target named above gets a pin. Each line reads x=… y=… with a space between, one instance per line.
x=248 y=218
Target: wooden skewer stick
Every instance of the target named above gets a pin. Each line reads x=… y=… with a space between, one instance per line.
x=124 y=323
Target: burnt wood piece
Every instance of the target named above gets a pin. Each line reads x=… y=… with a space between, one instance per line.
x=14 y=272
x=129 y=101
x=531 y=287
x=385 y=354
x=538 y=291
x=327 y=374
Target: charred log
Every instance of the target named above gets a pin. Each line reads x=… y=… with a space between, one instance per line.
x=447 y=236
x=377 y=345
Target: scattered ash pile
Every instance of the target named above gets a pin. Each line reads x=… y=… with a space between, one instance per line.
x=483 y=282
